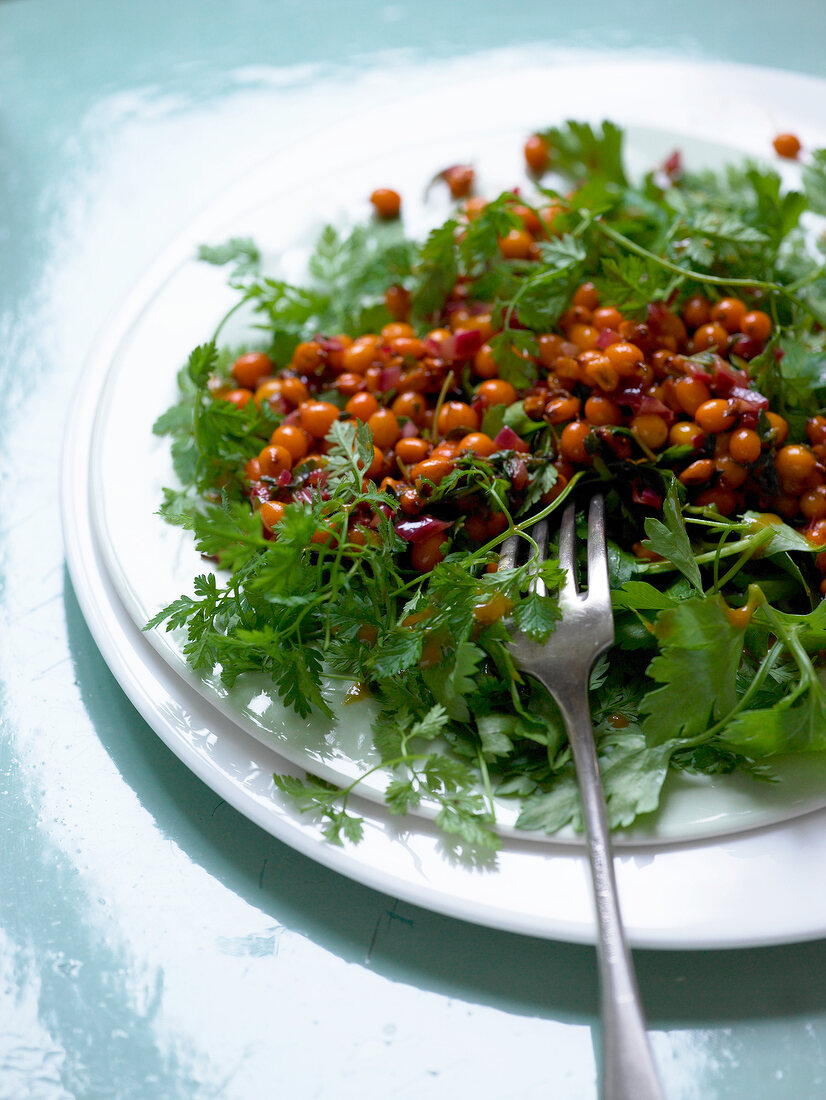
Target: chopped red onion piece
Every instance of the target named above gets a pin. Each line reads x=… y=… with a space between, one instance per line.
x=422 y=527
x=746 y=347
x=644 y=494
x=389 y=378
x=607 y=337
x=725 y=377
x=508 y=440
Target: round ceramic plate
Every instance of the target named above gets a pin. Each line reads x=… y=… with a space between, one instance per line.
x=126 y=563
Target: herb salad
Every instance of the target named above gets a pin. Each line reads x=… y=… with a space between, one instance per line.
x=354 y=474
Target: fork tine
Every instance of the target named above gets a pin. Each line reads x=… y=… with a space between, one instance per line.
x=540 y=535
x=508 y=551
x=598 y=587
x=567 y=552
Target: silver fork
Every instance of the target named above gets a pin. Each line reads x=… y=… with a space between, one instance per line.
x=563 y=664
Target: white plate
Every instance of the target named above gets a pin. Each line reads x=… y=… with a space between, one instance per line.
x=681 y=884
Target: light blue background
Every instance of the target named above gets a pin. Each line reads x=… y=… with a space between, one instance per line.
x=153 y=944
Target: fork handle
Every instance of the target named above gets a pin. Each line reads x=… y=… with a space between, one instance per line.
x=628 y=1071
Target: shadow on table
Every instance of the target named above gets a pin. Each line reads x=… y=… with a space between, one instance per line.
x=519 y=974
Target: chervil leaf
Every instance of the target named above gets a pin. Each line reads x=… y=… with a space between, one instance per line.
x=537 y=616
x=582 y=152
x=669 y=538
x=814 y=181
x=789 y=726
x=242 y=252
x=701 y=650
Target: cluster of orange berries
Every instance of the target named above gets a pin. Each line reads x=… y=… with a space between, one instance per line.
x=599 y=373
x=606 y=386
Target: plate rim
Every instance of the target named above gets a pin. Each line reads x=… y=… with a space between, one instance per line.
x=84 y=581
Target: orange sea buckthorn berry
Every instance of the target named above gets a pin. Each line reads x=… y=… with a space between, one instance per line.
x=575 y=315
x=650 y=429
x=459 y=179
x=643 y=553
x=395 y=330
x=691 y=393
x=732 y=474
x=714 y=416
x=561 y=409
x=274 y=459
x=397 y=301
x=596 y=371
x=537 y=154
x=696 y=311
x=292 y=439
x=813 y=503
x=270 y=389
x=787 y=145
x=479 y=443
x=294 y=391
x=411 y=406
x=697 y=472
x=250 y=368
x=550 y=348
x=549 y=216
x=584 y=336
x=712 y=336
x=427 y=554
x=335 y=355
x=359 y=356
x=473 y=207
x=456 y=414
x=586 y=295
x=484 y=365
x=413 y=381
x=411 y=450
x=729 y=312
x=317 y=417
x=385 y=428
x=529 y=218
x=570 y=370
x=496 y=391
x=533 y=404
x=722 y=500
x=349 y=384
x=625 y=358
x=745 y=446
x=517 y=244
x=362 y=406
x=780 y=427
x=239 y=398
x=721 y=443
x=386 y=202
x=408 y=347
x=492 y=609
x=434 y=469
x=756 y=324
x=606 y=317
x=816 y=429
x=572 y=442
x=447 y=449
x=252 y=470
x=794 y=462
x=601 y=411
x=308 y=357
x=686 y=433
x=271 y=512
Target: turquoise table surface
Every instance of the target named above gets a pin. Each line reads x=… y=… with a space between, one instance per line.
x=154 y=943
